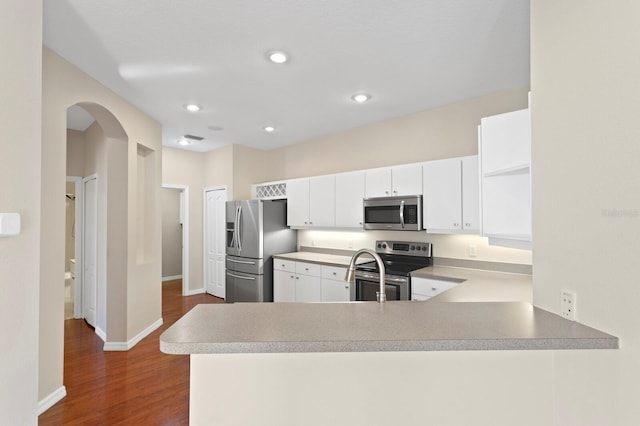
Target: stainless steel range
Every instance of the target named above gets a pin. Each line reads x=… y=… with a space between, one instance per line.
x=400 y=258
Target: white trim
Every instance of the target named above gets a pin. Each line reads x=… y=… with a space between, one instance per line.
x=101 y=334
x=204 y=230
x=77 y=287
x=125 y=346
x=171 y=278
x=185 y=233
x=51 y=399
x=196 y=291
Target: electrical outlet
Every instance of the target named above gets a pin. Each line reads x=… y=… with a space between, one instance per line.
x=314 y=243
x=568 y=305
x=472 y=250
x=350 y=244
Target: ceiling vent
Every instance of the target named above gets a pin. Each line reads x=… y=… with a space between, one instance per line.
x=194 y=138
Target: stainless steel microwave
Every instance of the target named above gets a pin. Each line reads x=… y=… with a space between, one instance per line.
x=393 y=213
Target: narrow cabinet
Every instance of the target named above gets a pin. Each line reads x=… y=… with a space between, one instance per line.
x=348 y=202
x=505 y=160
x=284 y=280
x=451 y=201
x=334 y=287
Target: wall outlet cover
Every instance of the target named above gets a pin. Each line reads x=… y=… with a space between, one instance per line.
x=568 y=305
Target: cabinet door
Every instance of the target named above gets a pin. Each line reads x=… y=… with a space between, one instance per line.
x=308 y=288
x=349 y=195
x=335 y=291
x=505 y=156
x=406 y=180
x=425 y=288
x=506 y=141
x=442 y=196
x=322 y=201
x=378 y=183
x=298 y=202
x=284 y=289
x=470 y=194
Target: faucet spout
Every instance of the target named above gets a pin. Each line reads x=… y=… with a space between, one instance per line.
x=351 y=271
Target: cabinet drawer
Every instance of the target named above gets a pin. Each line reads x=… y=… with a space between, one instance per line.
x=304 y=268
x=284 y=265
x=333 y=272
x=428 y=287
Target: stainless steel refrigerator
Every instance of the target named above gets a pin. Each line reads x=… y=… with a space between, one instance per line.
x=256 y=230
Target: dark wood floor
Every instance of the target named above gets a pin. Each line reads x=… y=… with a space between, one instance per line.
x=142 y=386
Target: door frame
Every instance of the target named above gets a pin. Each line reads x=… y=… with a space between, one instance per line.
x=98 y=278
x=184 y=211
x=205 y=277
x=79 y=231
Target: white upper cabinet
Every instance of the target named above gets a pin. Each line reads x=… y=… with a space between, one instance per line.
x=394 y=181
x=505 y=160
x=349 y=195
x=311 y=202
x=471 y=194
x=298 y=203
x=451 y=195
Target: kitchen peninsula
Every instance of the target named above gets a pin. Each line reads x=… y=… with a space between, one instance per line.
x=394 y=363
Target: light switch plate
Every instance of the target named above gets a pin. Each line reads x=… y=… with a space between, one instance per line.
x=9 y=224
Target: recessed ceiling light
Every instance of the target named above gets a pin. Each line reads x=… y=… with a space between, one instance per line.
x=278 y=57
x=192 y=108
x=269 y=129
x=184 y=142
x=361 y=97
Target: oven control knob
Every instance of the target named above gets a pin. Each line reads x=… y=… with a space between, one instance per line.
x=379 y=245
x=384 y=246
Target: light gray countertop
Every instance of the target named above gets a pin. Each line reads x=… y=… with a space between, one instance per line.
x=375 y=327
x=476 y=285
x=320 y=258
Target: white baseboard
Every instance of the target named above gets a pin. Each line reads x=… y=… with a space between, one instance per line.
x=51 y=399
x=125 y=346
x=196 y=291
x=171 y=278
x=101 y=334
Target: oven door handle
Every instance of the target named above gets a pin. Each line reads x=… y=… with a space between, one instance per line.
x=402 y=213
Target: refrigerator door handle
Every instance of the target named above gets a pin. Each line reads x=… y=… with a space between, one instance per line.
x=240 y=236
x=236 y=230
x=241 y=277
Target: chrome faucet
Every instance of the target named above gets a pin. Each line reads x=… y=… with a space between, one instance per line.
x=351 y=271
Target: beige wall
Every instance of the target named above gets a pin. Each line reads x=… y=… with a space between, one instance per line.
x=133 y=293
x=586 y=194
x=20 y=186
x=75 y=153
x=171 y=233
x=448 y=131
x=186 y=168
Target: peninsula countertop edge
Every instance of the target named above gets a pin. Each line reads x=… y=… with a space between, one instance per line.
x=373 y=327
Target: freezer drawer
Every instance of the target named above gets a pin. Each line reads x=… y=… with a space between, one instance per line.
x=243 y=287
x=245 y=264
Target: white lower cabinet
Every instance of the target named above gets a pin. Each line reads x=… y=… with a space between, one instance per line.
x=309 y=282
x=426 y=288
x=334 y=287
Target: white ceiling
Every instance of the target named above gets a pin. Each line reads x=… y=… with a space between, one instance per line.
x=410 y=55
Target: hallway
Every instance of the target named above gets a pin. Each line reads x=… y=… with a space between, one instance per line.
x=142 y=386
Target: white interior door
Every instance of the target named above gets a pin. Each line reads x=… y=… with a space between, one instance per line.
x=215 y=246
x=89 y=248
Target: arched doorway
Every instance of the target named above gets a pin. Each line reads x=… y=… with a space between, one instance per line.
x=97 y=155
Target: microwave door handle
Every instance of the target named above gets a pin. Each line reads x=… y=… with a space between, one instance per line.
x=402 y=213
